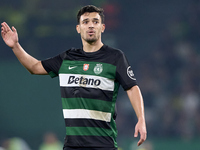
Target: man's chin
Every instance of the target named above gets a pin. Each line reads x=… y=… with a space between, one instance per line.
x=91 y=40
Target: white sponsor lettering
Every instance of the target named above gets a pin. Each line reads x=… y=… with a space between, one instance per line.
x=88 y=81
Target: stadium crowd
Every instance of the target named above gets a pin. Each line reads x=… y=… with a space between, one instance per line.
x=170 y=80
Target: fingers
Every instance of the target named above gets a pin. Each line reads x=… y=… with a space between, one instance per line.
x=136 y=133
x=5 y=28
x=140 y=142
x=14 y=30
x=143 y=136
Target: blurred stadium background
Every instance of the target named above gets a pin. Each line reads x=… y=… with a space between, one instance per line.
x=161 y=39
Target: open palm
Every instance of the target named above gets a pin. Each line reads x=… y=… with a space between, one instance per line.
x=9 y=36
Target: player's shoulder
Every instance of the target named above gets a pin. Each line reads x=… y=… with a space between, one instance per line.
x=70 y=52
x=73 y=50
x=114 y=51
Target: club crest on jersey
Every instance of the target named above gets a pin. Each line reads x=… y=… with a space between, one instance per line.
x=98 y=69
x=130 y=73
x=85 y=67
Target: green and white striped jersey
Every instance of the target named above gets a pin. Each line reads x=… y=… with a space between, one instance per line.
x=89 y=84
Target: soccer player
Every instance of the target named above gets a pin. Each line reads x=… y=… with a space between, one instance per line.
x=89 y=81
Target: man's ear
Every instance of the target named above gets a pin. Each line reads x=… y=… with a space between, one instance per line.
x=78 y=28
x=103 y=28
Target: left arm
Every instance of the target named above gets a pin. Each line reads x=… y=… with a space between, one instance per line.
x=136 y=100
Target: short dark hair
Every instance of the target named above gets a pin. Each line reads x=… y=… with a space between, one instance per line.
x=90 y=8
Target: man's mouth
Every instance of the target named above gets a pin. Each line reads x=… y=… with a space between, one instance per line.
x=90 y=32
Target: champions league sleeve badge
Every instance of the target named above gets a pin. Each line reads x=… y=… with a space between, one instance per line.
x=130 y=73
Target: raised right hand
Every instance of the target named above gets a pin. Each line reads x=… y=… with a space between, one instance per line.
x=9 y=36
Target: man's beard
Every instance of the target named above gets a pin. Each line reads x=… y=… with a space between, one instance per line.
x=91 y=40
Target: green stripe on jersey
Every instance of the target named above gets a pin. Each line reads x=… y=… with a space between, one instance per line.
x=52 y=74
x=88 y=131
x=83 y=103
x=88 y=68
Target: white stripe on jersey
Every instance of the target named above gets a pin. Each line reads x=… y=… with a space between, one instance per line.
x=88 y=81
x=86 y=114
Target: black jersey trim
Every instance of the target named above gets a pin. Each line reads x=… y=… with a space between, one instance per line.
x=89 y=141
x=127 y=87
x=87 y=123
x=89 y=148
x=73 y=92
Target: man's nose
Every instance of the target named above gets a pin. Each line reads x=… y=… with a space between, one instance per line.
x=91 y=25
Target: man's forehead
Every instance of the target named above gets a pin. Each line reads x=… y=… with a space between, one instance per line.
x=92 y=15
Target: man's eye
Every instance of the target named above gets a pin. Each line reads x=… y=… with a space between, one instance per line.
x=96 y=22
x=85 y=22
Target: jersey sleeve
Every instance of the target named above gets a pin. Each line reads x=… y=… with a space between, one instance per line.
x=52 y=65
x=124 y=72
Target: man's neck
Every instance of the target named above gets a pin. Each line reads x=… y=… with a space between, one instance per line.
x=92 y=47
